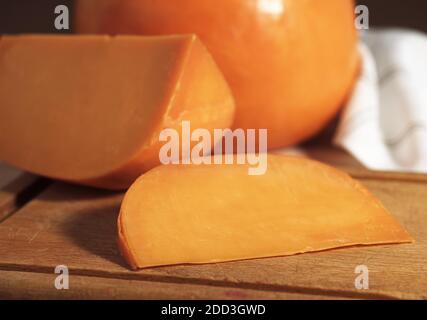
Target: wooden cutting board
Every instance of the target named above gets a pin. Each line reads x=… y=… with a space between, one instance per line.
x=46 y=224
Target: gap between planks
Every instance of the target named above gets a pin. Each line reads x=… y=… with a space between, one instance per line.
x=20 y=285
x=264 y=289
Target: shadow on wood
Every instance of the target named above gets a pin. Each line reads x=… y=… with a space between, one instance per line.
x=95 y=230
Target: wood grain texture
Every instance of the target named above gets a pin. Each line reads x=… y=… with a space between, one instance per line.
x=76 y=226
x=27 y=285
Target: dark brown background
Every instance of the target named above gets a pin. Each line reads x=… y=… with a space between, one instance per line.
x=19 y=16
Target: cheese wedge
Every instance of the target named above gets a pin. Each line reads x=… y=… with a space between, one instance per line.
x=89 y=109
x=213 y=213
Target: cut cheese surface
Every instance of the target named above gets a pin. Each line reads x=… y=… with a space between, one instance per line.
x=89 y=109
x=298 y=206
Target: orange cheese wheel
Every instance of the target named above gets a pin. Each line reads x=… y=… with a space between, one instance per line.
x=290 y=63
x=89 y=109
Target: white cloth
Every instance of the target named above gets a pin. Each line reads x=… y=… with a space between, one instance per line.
x=384 y=124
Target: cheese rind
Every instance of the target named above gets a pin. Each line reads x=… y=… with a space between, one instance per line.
x=89 y=109
x=213 y=213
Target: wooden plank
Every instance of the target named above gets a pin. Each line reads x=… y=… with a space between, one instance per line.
x=76 y=226
x=28 y=285
x=334 y=156
x=343 y=160
x=16 y=188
